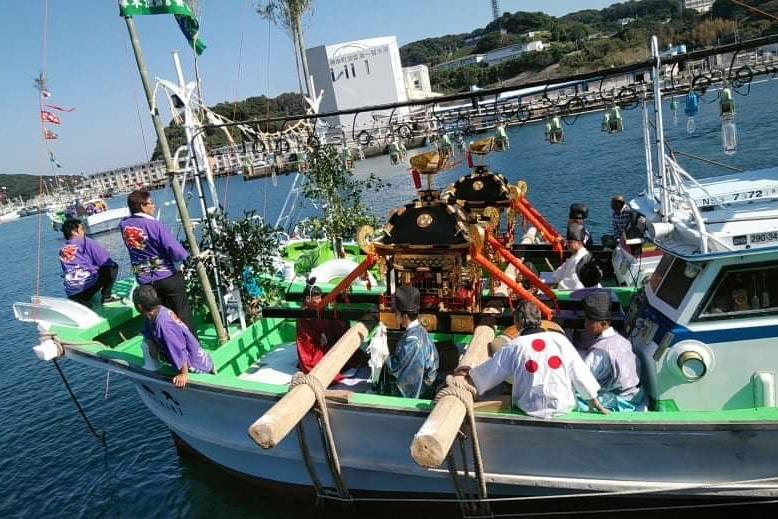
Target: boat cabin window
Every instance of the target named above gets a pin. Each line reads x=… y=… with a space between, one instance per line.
x=671 y=280
x=742 y=292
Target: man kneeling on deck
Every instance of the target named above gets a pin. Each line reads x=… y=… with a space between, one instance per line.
x=543 y=366
x=165 y=333
x=86 y=266
x=610 y=358
x=413 y=363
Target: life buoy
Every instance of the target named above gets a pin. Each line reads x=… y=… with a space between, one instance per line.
x=338 y=268
x=404 y=131
x=364 y=138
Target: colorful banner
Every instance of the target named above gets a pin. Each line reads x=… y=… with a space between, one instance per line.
x=59 y=108
x=48 y=117
x=179 y=8
x=49 y=135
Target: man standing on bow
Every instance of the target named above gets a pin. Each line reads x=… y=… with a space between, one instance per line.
x=153 y=254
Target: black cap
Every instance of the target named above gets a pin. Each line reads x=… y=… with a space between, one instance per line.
x=311 y=289
x=578 y=210
x=575 y=232
x=407 y=300
x=597 y=306
x=588 y=271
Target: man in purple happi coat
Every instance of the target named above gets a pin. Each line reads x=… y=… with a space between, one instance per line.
x=86 y=266
x=165 y=333
x=153 y=253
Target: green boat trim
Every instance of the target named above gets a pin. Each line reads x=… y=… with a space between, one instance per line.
x=105 y=342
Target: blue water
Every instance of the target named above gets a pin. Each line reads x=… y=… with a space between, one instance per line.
x=50 y=464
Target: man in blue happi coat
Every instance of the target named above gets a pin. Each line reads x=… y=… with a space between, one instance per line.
x=413 y=365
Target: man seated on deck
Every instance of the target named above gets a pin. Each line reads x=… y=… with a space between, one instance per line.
x=316 y=336
x=165 y=333
x=565 y=277
x=86 y=266
x=543 y=366
x=610 y=358
x=412 y=367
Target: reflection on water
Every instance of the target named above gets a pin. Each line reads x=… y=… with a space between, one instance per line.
x=52 y=466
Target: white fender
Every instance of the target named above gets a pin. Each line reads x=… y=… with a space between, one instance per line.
x=338 y=268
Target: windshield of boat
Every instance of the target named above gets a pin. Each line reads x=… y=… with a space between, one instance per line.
x=671 y=280
x=742 y=292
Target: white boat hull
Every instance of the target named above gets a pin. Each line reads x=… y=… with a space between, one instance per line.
x=105 y=221
x=522 y=455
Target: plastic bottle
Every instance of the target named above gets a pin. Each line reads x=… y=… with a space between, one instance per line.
x=728 y=135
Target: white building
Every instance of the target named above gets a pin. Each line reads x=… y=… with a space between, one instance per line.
x=417 y=82
x=464 y=61
x=496 y=56
x=356 y=74
x=701 y=6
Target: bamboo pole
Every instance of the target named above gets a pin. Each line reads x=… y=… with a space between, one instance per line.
x=272 y=427
x=432 y=442
x=186 y=222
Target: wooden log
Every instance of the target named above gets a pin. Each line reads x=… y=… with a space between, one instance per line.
x=432 y=442
x=275 y=424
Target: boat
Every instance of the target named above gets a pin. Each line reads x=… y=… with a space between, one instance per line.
x=9 y=215
x=707 y=364
x=94 y=214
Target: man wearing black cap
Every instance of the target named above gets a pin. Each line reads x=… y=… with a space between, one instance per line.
x=610 y=358
x=577 y=216
x=545 y=370
x=413 y=365
x=565 y=277
x=620 y=217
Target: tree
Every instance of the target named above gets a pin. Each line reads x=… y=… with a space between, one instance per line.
x=334 y=188
x=288 y=14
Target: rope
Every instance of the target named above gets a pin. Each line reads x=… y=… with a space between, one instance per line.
x=328 y=440
x=465 y=393
x=101 y=435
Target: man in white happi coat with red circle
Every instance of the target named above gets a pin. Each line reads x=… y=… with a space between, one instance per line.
x=544 y=367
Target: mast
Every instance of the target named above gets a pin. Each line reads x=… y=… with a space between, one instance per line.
x=660 y=134
x=186 y=222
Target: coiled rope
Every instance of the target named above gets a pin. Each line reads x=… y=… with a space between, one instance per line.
x=328 y=440
x=459 y=388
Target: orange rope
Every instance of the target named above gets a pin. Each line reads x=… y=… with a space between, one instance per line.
x=499 y=274
x=525 y=271
x=539 y=222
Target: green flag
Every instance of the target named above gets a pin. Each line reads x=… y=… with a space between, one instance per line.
x=179 y=8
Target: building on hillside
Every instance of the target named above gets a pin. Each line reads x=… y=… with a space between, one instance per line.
x=701 y=6
x=464 y=61
x=496 y=56
x=417 y=82
x=355 y=74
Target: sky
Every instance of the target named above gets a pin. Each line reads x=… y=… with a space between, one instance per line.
x=85 y=52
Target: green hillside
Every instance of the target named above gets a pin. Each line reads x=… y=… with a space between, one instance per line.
x=584 y=40
x=27 y=186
